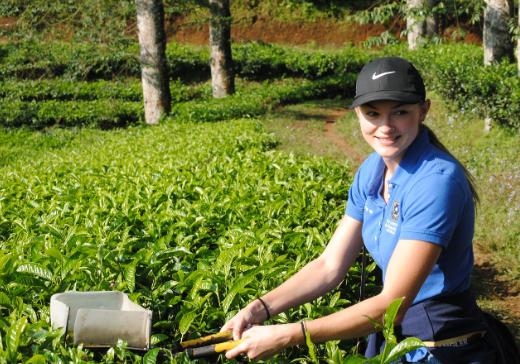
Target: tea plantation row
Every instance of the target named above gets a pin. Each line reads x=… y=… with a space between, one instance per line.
x=455 y=71
x=193 y=220
x=104 y=104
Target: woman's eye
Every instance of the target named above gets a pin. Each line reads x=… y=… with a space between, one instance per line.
x=371 y=113
x=400 y=112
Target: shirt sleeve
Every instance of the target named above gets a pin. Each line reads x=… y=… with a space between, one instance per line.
x=356 y=198
x=433 y=209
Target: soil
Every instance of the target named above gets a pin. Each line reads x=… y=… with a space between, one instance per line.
x=319 y=33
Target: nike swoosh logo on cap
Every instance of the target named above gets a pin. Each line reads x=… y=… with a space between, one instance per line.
x=375 y=76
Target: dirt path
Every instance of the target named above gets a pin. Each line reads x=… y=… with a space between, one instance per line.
x=332 y=134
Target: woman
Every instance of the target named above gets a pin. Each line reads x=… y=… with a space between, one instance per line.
x=412 y=204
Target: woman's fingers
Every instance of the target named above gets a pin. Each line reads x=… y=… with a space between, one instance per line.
x=237 y=350
x=257 y=342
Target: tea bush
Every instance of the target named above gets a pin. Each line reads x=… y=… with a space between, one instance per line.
x=57 y=89
x=103 y=104
x=101 y=113
x=252 y=61
x=191 y=220
x=458 y=74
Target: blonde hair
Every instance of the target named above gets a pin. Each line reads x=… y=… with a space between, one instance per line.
x=471 y=180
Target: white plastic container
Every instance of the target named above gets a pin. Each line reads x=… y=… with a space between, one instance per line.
x=99 y=319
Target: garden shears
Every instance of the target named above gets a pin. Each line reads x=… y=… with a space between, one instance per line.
x=208 y=345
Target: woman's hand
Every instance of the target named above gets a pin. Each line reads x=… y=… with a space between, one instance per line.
x=261 y=342
x=252 y=314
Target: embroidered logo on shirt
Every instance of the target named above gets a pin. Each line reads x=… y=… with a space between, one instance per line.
x=391 y=223
x=395 y=211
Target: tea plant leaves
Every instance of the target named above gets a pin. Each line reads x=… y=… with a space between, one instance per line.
x=151 y=356
x=130 y=276
x=37 y=359
x=237 y=287
x=13 y=337
x=402 y=348
x=35 y=269
x=185 y=322
x=4 y=299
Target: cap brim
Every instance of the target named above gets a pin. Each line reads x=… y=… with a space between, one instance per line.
x=404 y=97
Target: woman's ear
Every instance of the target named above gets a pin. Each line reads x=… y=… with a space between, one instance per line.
x=425 y=107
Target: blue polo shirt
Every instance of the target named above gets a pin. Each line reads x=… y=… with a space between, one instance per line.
x=430 y=200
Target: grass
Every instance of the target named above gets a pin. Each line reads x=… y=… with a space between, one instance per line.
x=300 y=130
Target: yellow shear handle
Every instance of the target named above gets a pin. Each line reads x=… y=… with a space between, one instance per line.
x=212 y=349
x=228 y=345
x=210 y=339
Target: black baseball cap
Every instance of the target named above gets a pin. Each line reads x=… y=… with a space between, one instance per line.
x=389 y=78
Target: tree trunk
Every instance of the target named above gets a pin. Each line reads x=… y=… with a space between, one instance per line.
x=415 y=26
x=498 y=42
x=432 y=20
x=518 y=43
x=154 y=71
x=222 y=77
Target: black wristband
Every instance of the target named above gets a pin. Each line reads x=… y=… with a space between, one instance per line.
x=266 y=309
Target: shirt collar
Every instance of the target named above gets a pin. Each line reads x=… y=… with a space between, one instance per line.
x=408 y=165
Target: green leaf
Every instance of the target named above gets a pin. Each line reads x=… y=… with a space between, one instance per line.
x=129 y=274
x=36 y=270
x=151 y=356
x=37 y=359
x=157 y=338
x=13 y=337
x=237 y=288
x=391 y=313
x=356 y=360
x=4 y=299
x=186 y=321
x=311 y=347
x=408 y=344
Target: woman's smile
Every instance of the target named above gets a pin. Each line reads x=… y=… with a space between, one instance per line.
x=389 y=127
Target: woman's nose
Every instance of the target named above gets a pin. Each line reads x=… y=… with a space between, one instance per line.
x=386 y=123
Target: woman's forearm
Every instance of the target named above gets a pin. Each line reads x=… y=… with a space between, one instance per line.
x=312 y=281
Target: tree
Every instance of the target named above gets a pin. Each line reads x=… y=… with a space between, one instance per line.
x=154 y=71
x=432 y=20
x=420 y=21
x=222 y=75
x=498 y=42
x=518 y=42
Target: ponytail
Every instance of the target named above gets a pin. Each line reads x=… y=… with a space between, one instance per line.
x=471 y=181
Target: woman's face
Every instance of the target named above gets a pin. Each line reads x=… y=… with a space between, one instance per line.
x=389 y=127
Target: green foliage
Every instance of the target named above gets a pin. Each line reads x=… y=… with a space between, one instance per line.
x=156 y=211
x=392 y=350
x=56 y=89
x=257 y=100
x=89 y=62
x=99 y=21
x=101 y=113
x=457 y=73
x=103 y=104
x=260 y=61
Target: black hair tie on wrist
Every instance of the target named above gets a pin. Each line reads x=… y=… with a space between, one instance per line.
x=266 y=309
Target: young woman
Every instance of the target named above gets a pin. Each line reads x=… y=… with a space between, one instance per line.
x=412 y=204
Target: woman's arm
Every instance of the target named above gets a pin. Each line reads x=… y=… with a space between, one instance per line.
x=313 y=280
x=410 y=264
